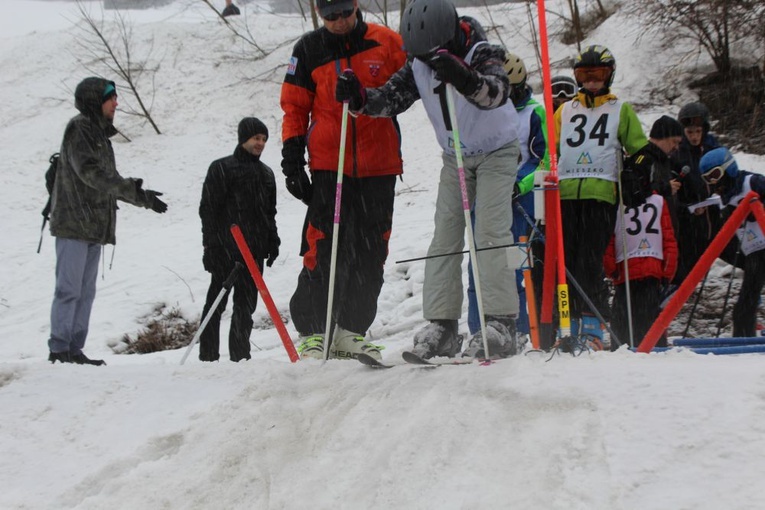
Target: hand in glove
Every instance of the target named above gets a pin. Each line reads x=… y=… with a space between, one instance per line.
x=149 y=197
x=273 y=253
x=156 y=205
x=516 y=192
x=215 y=258
x=298 y=183
x=451 y=69
x=349 y=89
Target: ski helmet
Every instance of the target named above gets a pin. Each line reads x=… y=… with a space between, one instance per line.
x=596 y=56
x=563 y=87
x=694 y=114
x=428 y=25
x=717 y=163
x=515 y=69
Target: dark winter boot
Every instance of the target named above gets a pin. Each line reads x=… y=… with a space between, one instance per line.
x=81 y=359
x=62 y=357
x=439 y=338
x=501 y=337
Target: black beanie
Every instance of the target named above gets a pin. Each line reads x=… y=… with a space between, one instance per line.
x=666 y=127
x=249 y=127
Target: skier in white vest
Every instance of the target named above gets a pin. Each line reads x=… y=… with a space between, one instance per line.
x=720 y=171
x=448 y=49
x=592 y=130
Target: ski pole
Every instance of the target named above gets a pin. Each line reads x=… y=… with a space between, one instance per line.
x=263 y=291
x=226 y=287
x=458 y=253
x=335 y=230
x=574 y=283
x=42 y=232
x=466 y=210
x=695 y=304
x=727 y=293
x=620 y=169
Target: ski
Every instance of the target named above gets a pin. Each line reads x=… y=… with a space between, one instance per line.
x=371 y=362
x=414 y=359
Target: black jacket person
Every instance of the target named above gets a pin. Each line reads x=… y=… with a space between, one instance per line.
x=239 y=189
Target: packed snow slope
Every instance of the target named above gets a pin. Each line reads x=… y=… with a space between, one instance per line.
x=601 y=431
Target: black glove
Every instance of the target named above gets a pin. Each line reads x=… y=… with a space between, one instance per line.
x=349 y=89
x=157 y=205
x=273 y=252
x=215 y=258
x=516 y=192
x=635 y=189
x=148 y=196
x=298 y=183
x=451 y=69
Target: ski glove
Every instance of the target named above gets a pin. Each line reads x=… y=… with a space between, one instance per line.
x=349 y=89
x=451 y=69
x=298 y=184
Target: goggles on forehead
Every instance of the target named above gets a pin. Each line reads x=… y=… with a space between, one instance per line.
x=585 y=74
x=334 y=16
x=714 y=174
x=563 y=89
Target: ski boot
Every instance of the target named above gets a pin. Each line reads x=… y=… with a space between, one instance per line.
x=501 y=338
x=439 y=338
x=348 y=345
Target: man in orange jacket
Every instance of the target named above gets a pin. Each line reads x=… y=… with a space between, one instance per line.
x=372 y=162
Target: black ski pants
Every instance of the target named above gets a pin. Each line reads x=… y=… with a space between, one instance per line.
x=587 y=228
x=745 y=309
x=645 y=297
x=245 y=301
x=366 y=219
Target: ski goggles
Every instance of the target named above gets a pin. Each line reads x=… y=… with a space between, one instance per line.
x=714 y=174
x=563 y=89
x=586 y=74
x=334 y=16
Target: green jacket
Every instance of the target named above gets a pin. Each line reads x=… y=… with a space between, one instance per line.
x=87 y=186
x=630 y=134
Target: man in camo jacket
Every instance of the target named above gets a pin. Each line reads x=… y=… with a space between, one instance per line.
x=84 y=214
x=448 y=49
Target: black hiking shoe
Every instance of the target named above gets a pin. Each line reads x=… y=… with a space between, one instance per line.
x=81 y=359
x=62 y=357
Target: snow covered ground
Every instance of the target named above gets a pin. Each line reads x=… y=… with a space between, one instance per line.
x=601 y=431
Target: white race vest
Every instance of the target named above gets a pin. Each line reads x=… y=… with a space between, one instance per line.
x=524 y=129
x=643 y=228
x=750 y=235
x=589 y=141
x=481 y=131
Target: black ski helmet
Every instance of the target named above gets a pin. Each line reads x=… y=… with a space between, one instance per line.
x=428 y=25
x=563 y=86
x=694 y=114
x=597 y=56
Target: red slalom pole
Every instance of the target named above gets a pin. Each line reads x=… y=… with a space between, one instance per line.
x=553 y=194
x=685 y=290
x=263 y=290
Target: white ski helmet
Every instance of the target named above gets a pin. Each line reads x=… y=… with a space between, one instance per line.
x=515 y=69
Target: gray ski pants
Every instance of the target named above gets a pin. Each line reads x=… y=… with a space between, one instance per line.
x=489 y=179
x=76 y=272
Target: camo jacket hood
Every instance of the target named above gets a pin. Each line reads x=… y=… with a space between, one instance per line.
x=87 y=185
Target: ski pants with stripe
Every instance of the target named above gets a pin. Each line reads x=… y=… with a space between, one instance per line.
x=366 y=219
